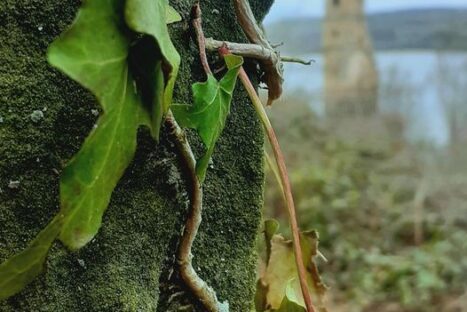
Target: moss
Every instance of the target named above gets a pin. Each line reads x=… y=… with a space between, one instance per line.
x=129 y=265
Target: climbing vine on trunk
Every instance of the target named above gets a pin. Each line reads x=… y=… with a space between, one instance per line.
x=130 y=64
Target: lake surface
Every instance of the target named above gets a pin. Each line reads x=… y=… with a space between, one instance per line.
x=408 y=85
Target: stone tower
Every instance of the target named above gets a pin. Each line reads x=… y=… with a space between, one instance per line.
x=351 y=79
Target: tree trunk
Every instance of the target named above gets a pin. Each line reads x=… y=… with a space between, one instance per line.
x=131 y=263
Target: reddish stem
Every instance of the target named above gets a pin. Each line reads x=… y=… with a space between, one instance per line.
x=197 y=25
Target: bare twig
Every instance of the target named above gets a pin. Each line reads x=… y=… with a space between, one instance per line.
x=284 y=180
x=197 y=285
x=255 y=51
x=298 y=60
x=280 y=44
x=252 y=50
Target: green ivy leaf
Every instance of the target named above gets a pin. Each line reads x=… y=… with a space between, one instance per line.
x=150 y=17
x=271 y=227
x=210 y=109
x=21 y=269
x=124 y=71
x=290 y=303
x=281 y=277
x=127 y=74
x=172 y=15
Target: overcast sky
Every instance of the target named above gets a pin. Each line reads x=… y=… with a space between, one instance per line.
x=294 y=8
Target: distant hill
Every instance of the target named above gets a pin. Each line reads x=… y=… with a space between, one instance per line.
x=439 y=29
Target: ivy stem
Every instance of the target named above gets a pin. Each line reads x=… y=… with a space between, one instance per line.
x=198 y=286
x=197 y=25
x=284 y=180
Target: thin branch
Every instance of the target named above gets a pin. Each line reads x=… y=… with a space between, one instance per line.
x=197 y=285
x=251 y=50
x=298 y=60
x=284 y=179
x=280 y=44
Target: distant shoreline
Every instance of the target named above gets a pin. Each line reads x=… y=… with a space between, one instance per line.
x=395 y=51
x=443 y=30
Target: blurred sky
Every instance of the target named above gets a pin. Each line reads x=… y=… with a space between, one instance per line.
x=299 y=8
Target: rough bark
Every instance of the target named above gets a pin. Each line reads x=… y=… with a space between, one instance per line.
x=129 y=265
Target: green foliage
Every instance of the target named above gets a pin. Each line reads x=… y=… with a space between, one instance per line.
x=150 y=17
x=271 y=227
x=21 y=269
x=290 y=302
x=130 y=65
x=360 y=197
x=413 y=276
x=278 y=288
x=124 y=64
x=210 y=109
x=348 y=198
x=172 y=15
x=125 y=74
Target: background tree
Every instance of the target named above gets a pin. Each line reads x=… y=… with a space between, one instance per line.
x=451 y=84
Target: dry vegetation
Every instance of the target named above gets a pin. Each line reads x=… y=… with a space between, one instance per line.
x=392 y=215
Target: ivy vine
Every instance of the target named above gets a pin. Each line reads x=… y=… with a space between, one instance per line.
x=130 y=64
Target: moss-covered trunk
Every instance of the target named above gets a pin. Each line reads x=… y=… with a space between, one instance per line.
x=131 y=264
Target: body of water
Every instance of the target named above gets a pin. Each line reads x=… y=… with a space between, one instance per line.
x=409 y=85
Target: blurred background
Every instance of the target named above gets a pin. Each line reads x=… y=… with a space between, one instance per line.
x=375 y=134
